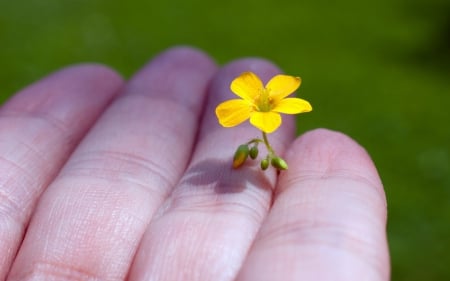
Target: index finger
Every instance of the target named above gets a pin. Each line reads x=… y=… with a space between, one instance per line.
x=328 y=221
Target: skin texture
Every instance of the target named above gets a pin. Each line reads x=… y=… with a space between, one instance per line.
x=102 y=179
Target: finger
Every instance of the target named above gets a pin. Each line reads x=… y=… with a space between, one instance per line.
x=328 y=219
x=39 y=127
x=90 y=221
x=206 y=227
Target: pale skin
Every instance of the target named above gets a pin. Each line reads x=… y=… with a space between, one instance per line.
x=102 y=179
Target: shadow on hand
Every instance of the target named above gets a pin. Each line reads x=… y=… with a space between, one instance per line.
x=218 y=174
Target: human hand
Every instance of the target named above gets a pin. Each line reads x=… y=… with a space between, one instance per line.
x=106 y=180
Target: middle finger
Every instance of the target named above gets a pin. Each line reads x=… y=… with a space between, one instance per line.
x=204 y=230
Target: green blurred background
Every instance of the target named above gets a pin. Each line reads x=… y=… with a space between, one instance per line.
x=376 y=70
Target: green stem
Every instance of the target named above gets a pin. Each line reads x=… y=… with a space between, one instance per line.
x=254 y=141
x=266 y=142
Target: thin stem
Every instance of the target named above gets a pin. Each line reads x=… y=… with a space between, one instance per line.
x=266 y=142
x=254 y=141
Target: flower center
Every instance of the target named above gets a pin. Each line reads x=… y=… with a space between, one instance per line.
x=264 y=101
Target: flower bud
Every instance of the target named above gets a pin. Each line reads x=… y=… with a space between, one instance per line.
x=279 y=163
x=240 y=156
x=264 y=164
x=254 y=152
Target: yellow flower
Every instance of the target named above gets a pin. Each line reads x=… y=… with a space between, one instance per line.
x=262 y=105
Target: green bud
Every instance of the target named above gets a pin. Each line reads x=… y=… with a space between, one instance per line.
x=264 y=164
x=240 y=156
x=254 y=152
x=279 y=163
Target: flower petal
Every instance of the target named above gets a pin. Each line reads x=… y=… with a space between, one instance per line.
x=233 y=112
x=266 y=121
x=281 y=86
x=292 y=106
x=247 y=86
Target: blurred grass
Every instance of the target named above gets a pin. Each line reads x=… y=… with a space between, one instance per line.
x=378 y=71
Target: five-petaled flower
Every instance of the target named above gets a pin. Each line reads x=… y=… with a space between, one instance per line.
x=262 y=105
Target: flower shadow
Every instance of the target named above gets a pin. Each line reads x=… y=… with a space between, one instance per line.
x=219 y=175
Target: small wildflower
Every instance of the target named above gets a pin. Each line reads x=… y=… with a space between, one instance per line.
x=262 y=105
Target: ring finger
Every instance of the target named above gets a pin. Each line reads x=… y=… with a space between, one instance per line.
x=90 y=220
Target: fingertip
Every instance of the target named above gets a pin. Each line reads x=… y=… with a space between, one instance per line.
x=87 y=83
x=74 y=78
x=189 y=53
x=169 y=74
x=188 y=57
x=98 y=70
x=324 y=152
x=264 y=68
x=102 y=78
x=181 y=57
x=89 y=73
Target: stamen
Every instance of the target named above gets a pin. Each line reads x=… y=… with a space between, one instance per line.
x=264 y=101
